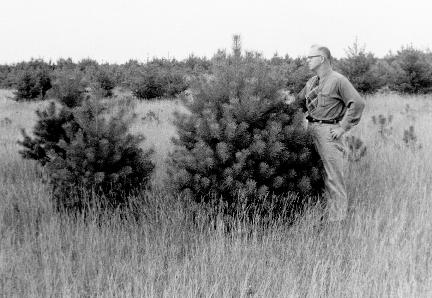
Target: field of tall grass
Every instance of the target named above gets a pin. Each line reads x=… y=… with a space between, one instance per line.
x=384 y=248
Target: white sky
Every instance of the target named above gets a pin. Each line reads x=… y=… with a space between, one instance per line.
x=116 y=31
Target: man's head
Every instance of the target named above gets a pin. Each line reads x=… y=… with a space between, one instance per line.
x=319 y=57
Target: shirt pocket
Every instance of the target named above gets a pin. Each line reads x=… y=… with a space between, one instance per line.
x=324 y=99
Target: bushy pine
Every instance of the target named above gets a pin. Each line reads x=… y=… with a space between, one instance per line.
x=413 y=71
x=32 y=84
x=157 y=82
x=296 y=74
x=241 y=141
x=174 y=83
x=69 y=93
x=69 y=87
x=7 y=78
x=105 y=82
x=65 y=64
x=196 y=65
x=87 y=149
x=148 y=85
x=48 y=131
x=26 y=87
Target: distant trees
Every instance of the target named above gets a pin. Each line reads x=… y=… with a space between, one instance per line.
x=358 y=67
x=155 y=83
x=69 y=87
x=407 y=71
x=196 y=65
x=412 y=71
x=104 y=81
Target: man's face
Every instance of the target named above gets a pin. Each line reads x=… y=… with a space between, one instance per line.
x=314 y=59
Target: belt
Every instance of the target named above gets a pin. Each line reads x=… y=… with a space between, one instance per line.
x=310 y=119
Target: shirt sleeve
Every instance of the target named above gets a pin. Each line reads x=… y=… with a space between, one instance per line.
x=302 y=93
x=354 y=103
x=300 y=100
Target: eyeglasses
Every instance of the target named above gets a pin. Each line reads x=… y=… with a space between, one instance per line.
x=310 y=57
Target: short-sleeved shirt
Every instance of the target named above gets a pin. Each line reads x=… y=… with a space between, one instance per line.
x=333 y=97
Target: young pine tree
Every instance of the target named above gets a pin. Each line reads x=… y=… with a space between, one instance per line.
x=241 y=141
x=360 y=68
x=104 y=82
x=87 y=149
x=33 y=84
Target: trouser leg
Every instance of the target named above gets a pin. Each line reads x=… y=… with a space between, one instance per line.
x=331 y=152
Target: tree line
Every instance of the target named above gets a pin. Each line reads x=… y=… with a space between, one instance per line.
x=409 y=70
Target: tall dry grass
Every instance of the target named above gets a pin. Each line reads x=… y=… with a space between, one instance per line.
x=384 y=248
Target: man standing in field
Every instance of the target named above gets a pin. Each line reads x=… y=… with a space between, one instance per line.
x=333 y=106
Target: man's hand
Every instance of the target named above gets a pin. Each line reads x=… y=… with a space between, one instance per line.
x=337 y=132
x=288 y=99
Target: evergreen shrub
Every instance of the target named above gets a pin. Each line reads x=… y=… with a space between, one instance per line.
x=296 y=74
x=157 y=83
x=26 y=87
x=87 y=149
x=413 y=71
x=7 y=80
x=48 y=131
x=32 y=84
x=105 y=82
x=174 y=83
x=360 y=68
x=69 y=88
x=241 y=143
x=148 y=86
x=196 y=65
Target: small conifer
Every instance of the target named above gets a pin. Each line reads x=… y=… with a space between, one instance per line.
x=69 y=88
x=85 y=146
x=104 y=82
x=33 y=84
x=241 y=139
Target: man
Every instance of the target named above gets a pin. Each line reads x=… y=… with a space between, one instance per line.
x=333 y=106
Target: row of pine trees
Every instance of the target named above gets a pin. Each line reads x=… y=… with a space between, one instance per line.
x=409 y=70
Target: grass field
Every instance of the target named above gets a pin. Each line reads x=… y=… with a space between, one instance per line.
x=384 y=250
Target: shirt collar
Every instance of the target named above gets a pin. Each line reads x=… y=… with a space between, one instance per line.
x=325 y=74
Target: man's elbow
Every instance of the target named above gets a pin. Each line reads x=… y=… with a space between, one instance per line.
x=360 y=104
x=356 y=103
